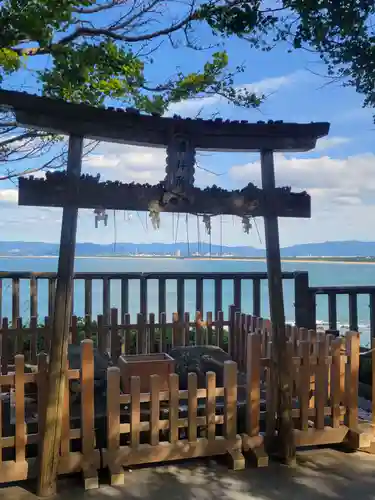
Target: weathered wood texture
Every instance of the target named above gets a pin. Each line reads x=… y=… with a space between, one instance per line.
x=170 y=424
x=60 y=332
x=281 y=377
x=44 y=193
x=130 y=127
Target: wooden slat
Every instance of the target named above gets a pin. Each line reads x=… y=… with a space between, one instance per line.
x=162 y=296
x=141 y=331
x=113 y=408
x=152 y=334
x=271 y=402
x=106 y=300
x=320 y=384
x=51 y=296
x=102 y=335
x=128 y=335
x=209 y=323
x=335 y=382
x=115 y=338
x=192 y=406
x=304 y=385
x=33 y=340
x=124 y=297
x=256 y=298
x=74 y=338
x=15 y=300
x=88 y=298
x=352 y=379
x=1 y=299
x=211 y=405
x=180 y=297
x=163 y=332
x=143 y=295
x=19 y=336
x=33 y=297
x=4 y=346
x=230 y=400
x=218 y=295
x=87 y=399
x=155 y=409
x=332 y=310
x=199 y=305
x=237 y=293
x=186 y=329
x=353 y=312
x=253 y=351
x=220 y=329
x=135 y=411
x=19 y=390
x=173 y=407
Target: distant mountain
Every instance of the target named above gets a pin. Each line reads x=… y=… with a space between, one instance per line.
x=327 y=249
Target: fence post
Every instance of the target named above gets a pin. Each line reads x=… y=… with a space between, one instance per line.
x=113 y=425
x=304 y=302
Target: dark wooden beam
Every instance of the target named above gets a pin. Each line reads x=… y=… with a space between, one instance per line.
x=280 y=366
x=51 y=432
x=131 y=127
x=36 y=192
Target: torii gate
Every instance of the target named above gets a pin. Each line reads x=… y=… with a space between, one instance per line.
x=181 y=137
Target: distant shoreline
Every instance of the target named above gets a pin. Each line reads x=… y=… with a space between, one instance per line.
x=302 y=260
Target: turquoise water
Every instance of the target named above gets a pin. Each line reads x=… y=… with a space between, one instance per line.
x=319 y=274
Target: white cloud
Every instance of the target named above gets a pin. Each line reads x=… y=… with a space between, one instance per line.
x=349 y=181
x=9 y=195
x=326 y=143
x=265 y=86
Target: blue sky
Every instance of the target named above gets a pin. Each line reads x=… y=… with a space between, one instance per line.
x=339 y=174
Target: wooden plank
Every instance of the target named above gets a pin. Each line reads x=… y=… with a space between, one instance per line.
x=33 y=340
x=141 y=334
x=186 y=329
x=19 y=390
x=143 y=295
x=15 y=300
x=51 y=296
x=115 y=338
x=180 y=297
x=281 y=378
x=88 y=298
x=304 y=385
x=335 y=382
x=124 y=298
x=74 y=337
x=87 y=401
x=106 y=300
x=218 y=295
x=151 y=334
x=42 y=394
x=4 y=346
x=135 y=411
x=192 y=406
x=253 y=351
x=1 y=299
x=155 y=409
x=352 y=379
x=162 y=295
x=209 y=324
x=163 y=332
x=353 y=312
x=173 y=407
x=320 y=384
x=211 y=405
x=65 y=426
x=113 y=408
x=332 y=310
x=61 y=322
x=220 y=329
x=33 y=297
x=237 y=293
x=230 y=400
x=199 y=295
x=256 y=298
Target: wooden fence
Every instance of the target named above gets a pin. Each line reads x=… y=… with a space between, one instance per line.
x=157 y=426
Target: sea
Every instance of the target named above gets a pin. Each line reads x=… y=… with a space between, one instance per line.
x=320 y=274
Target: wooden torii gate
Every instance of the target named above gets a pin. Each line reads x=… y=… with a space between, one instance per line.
x=181 y=137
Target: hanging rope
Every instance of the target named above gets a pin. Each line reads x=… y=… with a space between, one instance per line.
x=221 y=235
x=178 y=220
x=115 y=232
x=187 y=233
x=198 y=235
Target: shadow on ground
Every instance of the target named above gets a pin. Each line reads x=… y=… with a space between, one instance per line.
x=324 y=474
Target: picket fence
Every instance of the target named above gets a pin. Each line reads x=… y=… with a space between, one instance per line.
x=162 y=425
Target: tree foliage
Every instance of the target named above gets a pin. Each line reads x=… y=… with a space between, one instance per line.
x=94 y=50
x=341 y=32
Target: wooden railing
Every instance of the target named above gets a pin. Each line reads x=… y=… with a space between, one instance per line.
x=179 y=423
x=352 y=293
x=119 y=289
